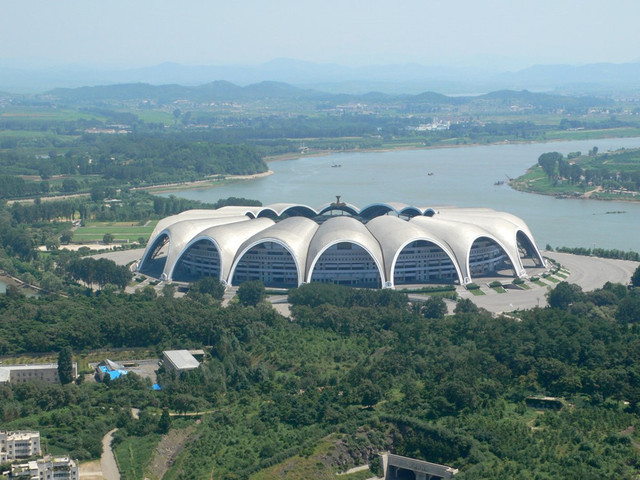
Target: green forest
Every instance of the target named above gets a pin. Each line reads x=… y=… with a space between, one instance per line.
x=366 y=370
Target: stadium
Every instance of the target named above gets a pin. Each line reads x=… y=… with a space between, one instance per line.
x=382 y=245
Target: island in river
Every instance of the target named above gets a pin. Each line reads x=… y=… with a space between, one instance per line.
x=602 y=176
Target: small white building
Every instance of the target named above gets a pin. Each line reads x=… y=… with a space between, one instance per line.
x=19 y=444
x=47 y=372
x=179 y=361
x=47 y=468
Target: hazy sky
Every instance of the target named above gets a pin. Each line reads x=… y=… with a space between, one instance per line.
x=500 y=33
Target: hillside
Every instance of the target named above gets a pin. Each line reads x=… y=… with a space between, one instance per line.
x=222 y=91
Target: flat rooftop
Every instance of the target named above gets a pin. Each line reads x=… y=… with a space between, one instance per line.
x=181 y=359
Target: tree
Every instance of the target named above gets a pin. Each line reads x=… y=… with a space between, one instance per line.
x=434 y=307
x=548 y=162
x=164 y=425
x=50 y=282
x=564 y=295
x=70 y=185
x=66 y=237
x=629 y=310
x=209 y=286
x=169 y=290
x=97 y=193
x=108 y=238
x=251 y=293
x=52 y=243
x=635 y=278
x=464 y=305
x=65 y=366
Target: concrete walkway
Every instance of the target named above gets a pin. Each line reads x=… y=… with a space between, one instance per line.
x=108 y=460
x=589 y=272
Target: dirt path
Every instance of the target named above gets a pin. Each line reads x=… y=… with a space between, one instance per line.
x=591 y=192
x=167 y=450
x=90 y=471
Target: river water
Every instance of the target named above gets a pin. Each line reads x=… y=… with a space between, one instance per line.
x=459 y=176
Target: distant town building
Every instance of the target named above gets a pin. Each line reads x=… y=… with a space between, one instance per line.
x=436 y=125
x=47 y=372
x=179 y=361
x=19 y=444
x=47 y=468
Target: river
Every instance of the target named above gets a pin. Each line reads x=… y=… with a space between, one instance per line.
x=459 y=176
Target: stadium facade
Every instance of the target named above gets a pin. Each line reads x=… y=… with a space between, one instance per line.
x=381 y=245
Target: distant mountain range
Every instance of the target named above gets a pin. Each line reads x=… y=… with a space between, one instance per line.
x=392 y=79
x=222 y=91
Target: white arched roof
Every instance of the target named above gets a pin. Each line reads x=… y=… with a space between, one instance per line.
x=394 y=234
x=235 y=229
x=233 y=210
x=343 y=229
x=186 y=215
x=227 y=238
x=503 y=224
x=327 y=207
x=180 y=232
x=294 y=234
x=461 y=236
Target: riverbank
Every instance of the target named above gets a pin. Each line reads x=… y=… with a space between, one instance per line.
x=626 y=197
x=206 y=183
x=535 y=181
x=418 y=146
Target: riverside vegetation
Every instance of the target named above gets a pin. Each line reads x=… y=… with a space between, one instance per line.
x=604 y=176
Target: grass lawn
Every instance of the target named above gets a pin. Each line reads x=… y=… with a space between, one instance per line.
x=134 y=454
x=499 y=289
x=122 y=231
x=477 y=292
x=593 y=134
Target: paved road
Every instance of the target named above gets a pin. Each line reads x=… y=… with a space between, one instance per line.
x=122 y=257
x=593 y=272
x=588 y=272
x=108 y=460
